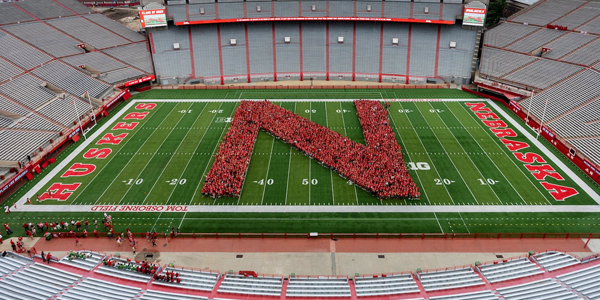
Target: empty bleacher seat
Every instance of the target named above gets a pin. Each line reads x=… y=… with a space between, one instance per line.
x=17 y=144
x=482 y=295
x=388 y=285
x=239 y=284
x=546 y=289
x=37 y=281
x=72 y=80
x=547 y=12
x=92 y=259
x=88 y=32
x=192 y=279
x=553 y=260
x=511 y=269
x=157 y=295
x=584 y=281
x=318 y=286
x=449 y=279
x=96 y=289
x=134 y=54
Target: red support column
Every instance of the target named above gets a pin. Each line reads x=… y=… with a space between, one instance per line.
x=301 y=56
x=437 y=51
x=187 y=12
x=220 y=53
x=245 y=12
x=411 y=9
x=273 y=9
x=354 y=8
x=354 y=49
x=151 y=42
x=247 y=48
x=274 y=55
x=381 y=52
x=408 y=51
x=192 y=52
x=327 y=50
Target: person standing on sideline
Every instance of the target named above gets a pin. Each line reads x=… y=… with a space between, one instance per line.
x=48 y=257
x=133 y=249
x=77 y=242
x=43 y=257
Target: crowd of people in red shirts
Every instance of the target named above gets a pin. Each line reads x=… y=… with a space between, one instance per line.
x=168 y=277
x=377 y=167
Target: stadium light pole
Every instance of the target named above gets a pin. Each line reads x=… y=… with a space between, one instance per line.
x=542 y=122
x=77 y=116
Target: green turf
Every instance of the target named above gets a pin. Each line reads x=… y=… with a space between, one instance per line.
x=164 y=160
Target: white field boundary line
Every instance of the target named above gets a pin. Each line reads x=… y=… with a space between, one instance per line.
x=547 y=152
x=308 y=100
x=332 y=208
x=72 y=155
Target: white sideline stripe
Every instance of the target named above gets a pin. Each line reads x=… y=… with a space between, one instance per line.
x=308 y=100
x=332 y=208
x=70 y=157
x=548 y=154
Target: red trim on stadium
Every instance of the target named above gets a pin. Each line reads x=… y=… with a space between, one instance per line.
x=381 y=52
x=192 y=52
x=151 y=42
x=301 y=53
x=274 y=55
x=247 y=47
x=23 y=10
x=327 y=49
x=437 y=51
x=220 y=53
x=354 y=48
x=408 y=51
x=273 y=19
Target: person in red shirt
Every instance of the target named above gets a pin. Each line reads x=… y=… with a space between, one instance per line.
x=48 y=257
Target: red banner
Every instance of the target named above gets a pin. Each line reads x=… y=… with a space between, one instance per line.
x=271 y=19
x=136 y=81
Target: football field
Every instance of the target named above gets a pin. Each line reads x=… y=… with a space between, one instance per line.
x=155 y=153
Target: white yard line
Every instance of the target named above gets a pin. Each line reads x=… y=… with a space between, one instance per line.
x=330 y=171
x=267 y=175
x=346 y=135
x=310 y=159
x=176 y=150
x=446 y=152
x=149 y=160
x=438 y=221
x=67 y=160
x=547 y=152
x=470 y=159
x=463 y=220
x=289 y=168
x=505 y=151
x=130 y=137
x=429 y=156
x=302 y=100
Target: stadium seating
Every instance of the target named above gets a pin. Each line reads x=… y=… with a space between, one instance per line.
x=449 y=279
x=578 y=89
x=28 y=91
x=122 y=273
x=318 y=286
x=21 y=53
x=507 y=33
x=35 y=122
x=567 y=44
x=553 y=260
x=8 y=70
x=12 y=14
x=590 y=147
x=12 y=263
x=46 y=38
x=542 y=73
x=586 y=55
x=91 y=260
x=592 y=26
x=535 y=40
x=88 y=32
x=36 y=281
x=62 y=111
x=511 y=269
x=96 y=289
x=580 y=16
x=547 y=12
x=240 y=284
x=388 y=285
x=581 y=122
x=584 y=281
x=545 y=289
x=134 y=54
x=115 y=27
x=18 y=144
x=483 y=295
x=157 y=295
x=44 y=9
x=497 y=63
x=192 y=279
x=72 y=80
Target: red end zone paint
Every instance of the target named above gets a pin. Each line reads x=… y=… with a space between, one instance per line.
x=125 y=126
x=112 y=139
x=97 y=153
x=79 y=169
x=59 y=191
x=140 y=208
x=540 y=172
